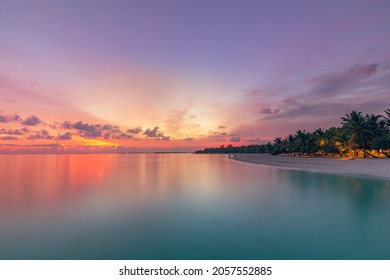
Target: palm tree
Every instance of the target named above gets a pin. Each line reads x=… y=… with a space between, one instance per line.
x=277 y=146
x=341 y=142
x=382 y=144
x=386 y=117
x=319 y=136
x=305 y=142
x=291 y=143
x=357 y=127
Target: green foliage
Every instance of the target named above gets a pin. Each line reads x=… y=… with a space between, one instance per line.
x=358 y=133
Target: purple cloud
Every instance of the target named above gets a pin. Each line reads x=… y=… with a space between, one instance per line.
x=235 y=138
x=152 y=133
x=134 y=130
x=31 y=121
x=122 y=136
x=155 y=133
x=269 y=111
x=10 y=131
x=11 y=118
x=7 y=138
x=65 y=136
x=41 y=135
x=333 y=84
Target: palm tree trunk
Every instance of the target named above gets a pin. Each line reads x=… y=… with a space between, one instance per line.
x=371 y=155
x=385 y=153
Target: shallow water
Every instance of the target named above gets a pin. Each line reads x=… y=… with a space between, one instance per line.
x=184 y=206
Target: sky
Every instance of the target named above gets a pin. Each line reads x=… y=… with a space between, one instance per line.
x=175 y=75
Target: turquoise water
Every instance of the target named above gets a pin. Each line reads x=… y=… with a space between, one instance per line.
x=184 y=206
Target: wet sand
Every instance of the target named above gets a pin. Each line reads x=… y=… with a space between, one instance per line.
x=379 y=167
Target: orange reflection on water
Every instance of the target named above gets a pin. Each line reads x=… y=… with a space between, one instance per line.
x=37 y=180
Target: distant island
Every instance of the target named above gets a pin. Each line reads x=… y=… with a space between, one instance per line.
x=359 y=136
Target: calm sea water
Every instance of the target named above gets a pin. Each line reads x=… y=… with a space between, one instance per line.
x=184 y=206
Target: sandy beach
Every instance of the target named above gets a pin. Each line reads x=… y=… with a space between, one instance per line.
x=379 y=168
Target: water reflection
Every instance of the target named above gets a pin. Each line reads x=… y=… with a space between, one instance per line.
x=367 y=197
x=162 y=206
x=28 y=181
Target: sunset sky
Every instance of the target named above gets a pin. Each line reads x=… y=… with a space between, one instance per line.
x=145 y=75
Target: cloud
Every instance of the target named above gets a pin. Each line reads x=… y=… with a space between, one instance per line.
x=66 y=125
x=154 y=133
x=134 y=130
x=115 y=129
x=122 y=136
x=217 y=133
x=216 y=136
x=257 y=140
x=86 y=130
x=9 y=118
x=269 y=111
x=7 y=138
x=65 y=136
x=86 y=127
x=333 y=84
x=11 y=132
x=90 y=134
x=41 y=135
x=107 y=127
x=221 y=127
x=329 y=110
x=189 y=139
x=91 y=130
x=361 y=87
x=31 y=121
x=235 y=138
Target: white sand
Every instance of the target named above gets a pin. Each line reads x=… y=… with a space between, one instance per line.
x=378 y=167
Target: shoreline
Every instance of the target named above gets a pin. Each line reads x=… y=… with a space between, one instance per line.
x=373 y=168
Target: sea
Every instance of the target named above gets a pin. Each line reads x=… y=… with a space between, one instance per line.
x=185 y=207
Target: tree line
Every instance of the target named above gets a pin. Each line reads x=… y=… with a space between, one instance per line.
x=359 y=135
